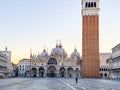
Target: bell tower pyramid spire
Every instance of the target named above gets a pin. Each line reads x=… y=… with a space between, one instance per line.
x=90 y=39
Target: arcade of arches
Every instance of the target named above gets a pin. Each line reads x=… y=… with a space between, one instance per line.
x=57 y=64
x=53 y=70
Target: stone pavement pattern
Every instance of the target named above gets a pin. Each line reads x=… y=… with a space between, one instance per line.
x=57 y=84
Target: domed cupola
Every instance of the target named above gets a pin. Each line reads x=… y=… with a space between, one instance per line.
x=75 y=54
x=59 y=51
x=44 y=53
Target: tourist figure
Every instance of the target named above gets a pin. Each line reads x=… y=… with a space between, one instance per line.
x=77 y=75
x=76 y=79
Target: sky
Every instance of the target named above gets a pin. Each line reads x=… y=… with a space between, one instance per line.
x=33 y=24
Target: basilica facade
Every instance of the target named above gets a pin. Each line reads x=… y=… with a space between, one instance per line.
x=57 y=64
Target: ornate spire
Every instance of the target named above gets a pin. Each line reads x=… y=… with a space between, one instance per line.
x=30 y=53
x=47 y=49
x=44 y=48
x=56 y=43
x=75 y=49
x=6 y=48
x=60 y=44
x=38 y=54
x=75 y=45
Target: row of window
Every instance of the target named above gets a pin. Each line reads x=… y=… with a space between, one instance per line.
x=116 y=64
x=90 y=4
x=22 y=74
x=116 y=61
x=116 y=49
x=21 y=66
x=3 y=56
x=3 y=68
x=52 y=61
x=3 y=60
x=103 y=75
x=103 y=69
x=21 y=69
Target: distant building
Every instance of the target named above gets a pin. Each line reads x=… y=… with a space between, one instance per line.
x=23 y=67
x=104 y=66
x=3 y=65
x=114 y=63
x=9 y=63
x=57 y=64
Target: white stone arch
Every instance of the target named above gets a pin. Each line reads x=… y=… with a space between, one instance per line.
x=41 y=71
x=54 y=58
x=52 y=71
x=34 y=72
x=70 y=72
x=62 y=71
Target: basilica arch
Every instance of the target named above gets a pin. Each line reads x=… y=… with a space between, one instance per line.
x=41 y=72
x=34 y=72
x=51 y=71
x=62 y=72
x=70 y=72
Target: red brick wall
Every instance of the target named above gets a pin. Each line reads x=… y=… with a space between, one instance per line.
x=90 y=46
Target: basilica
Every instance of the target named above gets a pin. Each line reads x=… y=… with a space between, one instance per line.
x=55 y=64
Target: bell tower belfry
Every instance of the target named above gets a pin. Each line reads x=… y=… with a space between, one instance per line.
x=90 y=39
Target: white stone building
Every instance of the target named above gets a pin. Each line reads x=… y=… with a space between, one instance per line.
x=104 y=66
x=9 y=64
x=57 y=64
x=114 y=63
x=3 y=65
x=23 y=67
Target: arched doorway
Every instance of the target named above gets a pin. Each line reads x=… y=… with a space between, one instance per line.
x=70 y=72
x=41 y=72
x=34 y=72
x=101 y=75
x=62 y=72
x=51 y=71
x=105 y=75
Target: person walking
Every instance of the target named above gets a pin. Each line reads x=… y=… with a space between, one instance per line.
x=77 y=75
x=76 y=79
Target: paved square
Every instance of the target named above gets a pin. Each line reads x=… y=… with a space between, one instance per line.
x=57 y=84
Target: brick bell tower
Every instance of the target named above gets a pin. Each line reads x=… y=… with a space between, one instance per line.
x=90 y=39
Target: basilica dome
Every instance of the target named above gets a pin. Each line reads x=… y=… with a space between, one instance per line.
x=58 y=50
x=75 y=54
x=44 y=53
